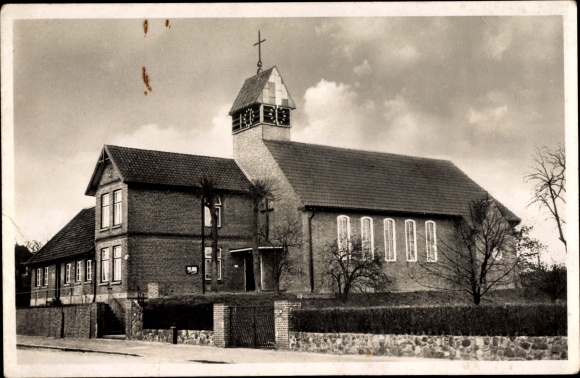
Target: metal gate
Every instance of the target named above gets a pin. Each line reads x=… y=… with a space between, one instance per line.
x=252 y=327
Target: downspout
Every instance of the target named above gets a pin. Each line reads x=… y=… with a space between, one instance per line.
x=202 y=261
x=311 y=254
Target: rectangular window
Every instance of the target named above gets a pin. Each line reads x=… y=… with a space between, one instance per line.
x=117 y=207
x=431 y=241
x=218 y=207
x=45 y=276
x=105 y=213
x=117 y=263
x=79 y=271
x=67 y=273
x=343 y=223
x=105 y=265
x=411 y=241
x=390 y=252
x=38 y=276
x=89 y=270
x=366 y=225
x=207 y=253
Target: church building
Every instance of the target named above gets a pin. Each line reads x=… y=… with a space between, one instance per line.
x=144 y=236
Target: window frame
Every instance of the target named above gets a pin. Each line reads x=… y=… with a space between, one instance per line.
x=117 y=207
x=117 y=264
x=105 y=208
x=105 y=265
x=338 y=226
x=67 y=273
x=394 y=239
x=207 y=262
x=78 y=271
x=414 y=251
x=88 y=270
x=433 y=245
x=207 y=217
x=45 y=279
x=39 y=277
x=371 y=236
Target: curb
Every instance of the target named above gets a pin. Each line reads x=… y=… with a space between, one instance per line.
x=68 y=349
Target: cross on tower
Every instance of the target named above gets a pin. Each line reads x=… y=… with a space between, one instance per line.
x=259 y=43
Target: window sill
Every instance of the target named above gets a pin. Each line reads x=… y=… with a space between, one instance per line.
x=104 y=284
x=116 y=283
x=104 y=229
x=117 y=226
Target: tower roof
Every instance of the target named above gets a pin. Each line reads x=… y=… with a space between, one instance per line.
x=267 y=87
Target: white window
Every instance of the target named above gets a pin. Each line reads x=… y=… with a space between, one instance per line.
x=367 y=237
x=431 y=234
x=411 y=241
x=68 y=273
x=117 y=263
x=38 y=276
x=117 y=207
x=105 y=210
x=207 y=253
x=78 y=271
x=343 y=226
x=105 y=265
x=45 y=276
x=390 y=242
x=218 y=207
x=89 y=270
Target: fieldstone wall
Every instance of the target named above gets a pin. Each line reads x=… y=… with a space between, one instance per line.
x=494 y=348
x=190 y=337
x=133 y=320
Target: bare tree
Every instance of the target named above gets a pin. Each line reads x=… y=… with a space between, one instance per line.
x=285 y=236
x=349 y=269
x=548 y=175
x=209 y=196
x=261 y=190
x=478 y=257
x=33 y=245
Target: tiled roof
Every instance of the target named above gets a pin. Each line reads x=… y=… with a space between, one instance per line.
x=74 y=239
x=173 y=169
x=251 y=90
x=352 y=179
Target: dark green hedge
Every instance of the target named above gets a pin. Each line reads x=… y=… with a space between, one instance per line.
x=162 y=315
x=505 y=320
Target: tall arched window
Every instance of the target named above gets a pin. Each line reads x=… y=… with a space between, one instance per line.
x=367 y=237
x=343 y=226
x=411 y=240
x=390 y=242
x=431 y=237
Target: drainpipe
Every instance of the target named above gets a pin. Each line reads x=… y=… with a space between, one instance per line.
x=311 y=254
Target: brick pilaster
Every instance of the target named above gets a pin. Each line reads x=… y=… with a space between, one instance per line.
x=221 y=325
x=282 y=311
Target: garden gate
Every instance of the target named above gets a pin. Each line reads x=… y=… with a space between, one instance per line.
x=252 y=327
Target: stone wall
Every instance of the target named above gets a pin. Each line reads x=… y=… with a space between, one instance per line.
x=190 y=337
x=494 y=348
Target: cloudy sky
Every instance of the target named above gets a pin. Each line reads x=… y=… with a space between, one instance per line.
x=479 y=91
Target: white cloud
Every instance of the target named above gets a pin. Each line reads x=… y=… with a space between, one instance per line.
x=363 y=69
x=488 y=118
x=407 y=53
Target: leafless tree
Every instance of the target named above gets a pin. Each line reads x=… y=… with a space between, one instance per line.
x=261 y=190
x=548 y=175
x=478 y=257
x=284 y=237
x=347 y=269
x=33 y=245
x=209 y=196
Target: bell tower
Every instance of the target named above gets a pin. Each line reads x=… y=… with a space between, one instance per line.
x=263 y=101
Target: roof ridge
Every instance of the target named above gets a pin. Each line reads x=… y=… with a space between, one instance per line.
x=168 y=152
x=357 y=150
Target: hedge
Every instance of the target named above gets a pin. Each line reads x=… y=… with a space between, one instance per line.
x=162 y=315
x=504 y=320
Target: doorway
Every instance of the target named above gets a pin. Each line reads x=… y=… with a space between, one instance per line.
x=249 y=272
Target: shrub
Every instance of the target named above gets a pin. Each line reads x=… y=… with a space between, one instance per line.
x=162 y=315
x=513 y=320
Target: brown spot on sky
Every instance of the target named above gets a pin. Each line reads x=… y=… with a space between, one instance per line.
x=146 y=80
x=167 y=24
x=145 y=27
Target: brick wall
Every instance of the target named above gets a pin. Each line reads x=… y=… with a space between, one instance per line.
x=221 y=325
x=80 y=321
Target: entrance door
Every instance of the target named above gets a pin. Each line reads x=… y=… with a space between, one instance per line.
x=249 y=272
